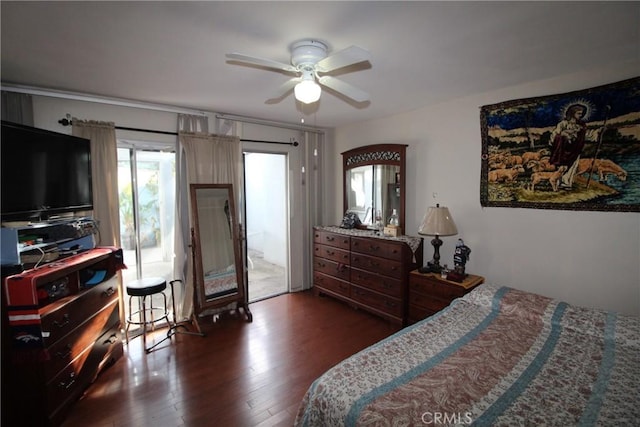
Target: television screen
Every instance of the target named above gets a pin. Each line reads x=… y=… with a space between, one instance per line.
x=44 y=174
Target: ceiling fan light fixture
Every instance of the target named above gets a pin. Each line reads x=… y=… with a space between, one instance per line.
x=312 y=66
x=307 y=91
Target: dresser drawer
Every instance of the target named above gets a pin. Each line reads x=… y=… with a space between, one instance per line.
x=64 y=319
x=381 y=302
x=332 y=268
x=71 y=382
x=68 y=384
x=427 y=302
x=332 y=284
x=435 y=288
x=376 y=282
x=332 y=239
x=377 y=265
x=429 y=293
x=332 y=253
x=417 y=313
x=377 y=247
x=70 y=347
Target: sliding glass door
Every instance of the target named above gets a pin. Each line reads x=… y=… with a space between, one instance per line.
x=267 y=231
x=146 y=187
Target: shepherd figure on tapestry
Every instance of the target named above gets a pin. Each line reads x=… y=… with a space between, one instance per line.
x=567 y=141
x=579 y=150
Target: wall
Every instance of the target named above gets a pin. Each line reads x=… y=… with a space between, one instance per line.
x=586 y=258
x=48 y=110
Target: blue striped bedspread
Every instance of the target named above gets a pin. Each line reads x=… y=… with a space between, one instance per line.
x=496 y=357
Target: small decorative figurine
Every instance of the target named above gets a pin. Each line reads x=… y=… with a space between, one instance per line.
x=461 y=256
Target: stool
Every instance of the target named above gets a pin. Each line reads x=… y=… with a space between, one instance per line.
x=143 y=288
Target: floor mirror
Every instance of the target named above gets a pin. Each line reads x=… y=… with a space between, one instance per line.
x=218 y=267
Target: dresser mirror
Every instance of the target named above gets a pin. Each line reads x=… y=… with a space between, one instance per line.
x=374 y=182
x=218 y=272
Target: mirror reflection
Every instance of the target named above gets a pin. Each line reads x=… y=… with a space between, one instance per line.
x=374 y=180
x=373 y=192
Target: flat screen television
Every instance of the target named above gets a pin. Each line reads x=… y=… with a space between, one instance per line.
x=44 y=174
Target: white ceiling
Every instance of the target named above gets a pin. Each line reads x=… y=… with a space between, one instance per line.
x=173 y=53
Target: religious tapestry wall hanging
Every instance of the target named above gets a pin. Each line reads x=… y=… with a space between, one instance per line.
x=575 y=151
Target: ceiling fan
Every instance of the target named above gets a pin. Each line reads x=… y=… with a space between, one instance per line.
x=311 y=64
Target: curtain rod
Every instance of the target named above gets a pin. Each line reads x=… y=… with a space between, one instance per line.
x=67 y=122
x=76 y=96
x=244 y=119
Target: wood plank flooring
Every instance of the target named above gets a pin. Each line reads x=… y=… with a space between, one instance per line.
x=239 y=374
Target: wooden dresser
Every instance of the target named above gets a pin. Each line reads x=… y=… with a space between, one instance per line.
x=64 y=328
x=366 y=271
x=430 y=293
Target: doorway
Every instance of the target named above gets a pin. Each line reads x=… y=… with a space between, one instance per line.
x=267 y=230
x=146 y=192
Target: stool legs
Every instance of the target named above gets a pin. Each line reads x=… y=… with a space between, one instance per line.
x=142 y=320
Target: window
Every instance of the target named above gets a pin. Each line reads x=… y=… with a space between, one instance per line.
x=146 y=187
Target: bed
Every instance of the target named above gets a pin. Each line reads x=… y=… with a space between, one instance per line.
x=497 y=356
x=219 y=283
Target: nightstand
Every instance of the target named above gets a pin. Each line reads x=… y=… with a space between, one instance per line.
x=429 y=293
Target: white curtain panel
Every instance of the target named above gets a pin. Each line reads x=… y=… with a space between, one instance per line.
x=17 y=108
x=104 y=167
x=201 y=158
x=194 y=124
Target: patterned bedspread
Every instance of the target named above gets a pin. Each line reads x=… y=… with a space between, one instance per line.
x=220 y=282
x=498 y=357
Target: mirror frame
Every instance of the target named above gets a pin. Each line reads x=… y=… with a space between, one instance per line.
x=377 y=154
x=200 y=301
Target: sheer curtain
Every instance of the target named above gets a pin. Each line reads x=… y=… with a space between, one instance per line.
x=17 y=108
x=201 y=158
x=104 y=167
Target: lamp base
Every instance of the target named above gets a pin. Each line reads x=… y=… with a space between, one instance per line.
x=431 y=267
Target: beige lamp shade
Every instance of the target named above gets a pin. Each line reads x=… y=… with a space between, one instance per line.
x=438 y=222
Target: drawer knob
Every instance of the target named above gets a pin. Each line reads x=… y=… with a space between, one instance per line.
x=61 y=355
x=64 y=322
x=66 y=384
x=111 y=340
x=109 y=292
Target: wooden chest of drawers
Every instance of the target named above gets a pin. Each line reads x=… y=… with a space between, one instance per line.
x=64 y=328
x=429 y=293
x=366 y=271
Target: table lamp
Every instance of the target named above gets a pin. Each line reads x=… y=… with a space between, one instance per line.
x=436 y=222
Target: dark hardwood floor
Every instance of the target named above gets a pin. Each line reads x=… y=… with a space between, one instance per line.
x=239 y=374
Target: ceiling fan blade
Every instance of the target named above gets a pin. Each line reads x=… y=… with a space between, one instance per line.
x=348 y=56
x=261 y=61
x=285 y=88
x=344 y=88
